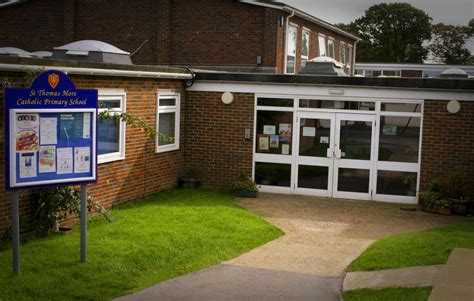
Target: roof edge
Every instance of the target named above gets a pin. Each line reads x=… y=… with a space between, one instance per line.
x=304 y=15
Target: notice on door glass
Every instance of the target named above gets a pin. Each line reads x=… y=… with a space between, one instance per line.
x=309 y=131
x=324 y=140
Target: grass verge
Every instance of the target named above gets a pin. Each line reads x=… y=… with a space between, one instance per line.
x=428 y=247
x=389 y=294
x=160 y=237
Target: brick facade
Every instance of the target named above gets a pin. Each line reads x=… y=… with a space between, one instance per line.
x=447 y=142
x=216 y=148
x=143 y=171
x=184 y=32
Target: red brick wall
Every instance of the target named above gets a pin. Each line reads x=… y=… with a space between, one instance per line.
x=215 y=146
x=143 y=171
x=184 y=32
x=448 y=142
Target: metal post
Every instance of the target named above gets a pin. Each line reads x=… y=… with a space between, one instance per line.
x=83 y=223
x=16 y=232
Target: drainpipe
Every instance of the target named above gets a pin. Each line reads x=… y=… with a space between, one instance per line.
x=354 y=58
x=287 y=22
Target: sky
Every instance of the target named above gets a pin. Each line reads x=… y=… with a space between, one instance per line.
x=454 y=12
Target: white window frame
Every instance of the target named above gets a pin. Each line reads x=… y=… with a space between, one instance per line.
x=342 y=49
x=122 y=97
x=323 y=37
x=333 y=54
x=308 y=32
x=287 y=53
x=349 y=57
x=168 y=109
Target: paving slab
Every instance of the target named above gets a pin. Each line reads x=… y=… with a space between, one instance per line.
x=405 y=277
x=224 y=282
x=455 y=280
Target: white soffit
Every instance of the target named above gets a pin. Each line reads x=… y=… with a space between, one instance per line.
x=323 y=91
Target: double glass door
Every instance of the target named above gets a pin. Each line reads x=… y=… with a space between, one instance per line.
x=335 y=155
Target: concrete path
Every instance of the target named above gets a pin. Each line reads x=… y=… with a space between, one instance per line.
x=224 y=282
x=455 y=281
x=322 y=237
x=405 y=277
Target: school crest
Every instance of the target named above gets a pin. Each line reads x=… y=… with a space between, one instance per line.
x=53 y=80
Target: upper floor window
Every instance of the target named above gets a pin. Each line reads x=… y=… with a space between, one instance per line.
x=291 y=49
x=167 y=122
x=331 y=47
x=349 y=57
x=304 y=47
x=322 y=45
x=342 y=53
x=111 y=131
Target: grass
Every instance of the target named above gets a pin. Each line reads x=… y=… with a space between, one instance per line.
x=152 y=240
x=389 y=294
x=428 y=247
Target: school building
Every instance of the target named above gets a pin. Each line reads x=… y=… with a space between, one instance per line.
x=297 y=126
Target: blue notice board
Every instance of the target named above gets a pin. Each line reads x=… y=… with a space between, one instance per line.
x=50 y=133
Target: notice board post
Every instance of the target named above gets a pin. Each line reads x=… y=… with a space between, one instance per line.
x=50 y=140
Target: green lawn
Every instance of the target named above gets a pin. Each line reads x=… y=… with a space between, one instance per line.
x=389 y=294
x=415 y=249
x=158 y=238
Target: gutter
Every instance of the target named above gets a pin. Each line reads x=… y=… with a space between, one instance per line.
x=354 y=58
x=95 y=71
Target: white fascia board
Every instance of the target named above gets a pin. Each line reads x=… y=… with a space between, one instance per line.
x=95 y=71
x=320 y=90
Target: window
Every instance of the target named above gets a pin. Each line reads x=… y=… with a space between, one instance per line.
x=322 y=45
x=349 y=57
x=342 y=53
x=111 y=133
x=331 y=47
x=291 y=49
x=305 y=47
x=167 y=122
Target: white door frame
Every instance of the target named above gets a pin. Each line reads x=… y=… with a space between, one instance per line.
x=339 y=162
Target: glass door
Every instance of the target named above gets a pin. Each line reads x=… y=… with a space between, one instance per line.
x=353 y=156
x=314 y=159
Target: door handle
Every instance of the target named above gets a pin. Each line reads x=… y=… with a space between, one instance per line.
x=330 y=153
x=337 y=153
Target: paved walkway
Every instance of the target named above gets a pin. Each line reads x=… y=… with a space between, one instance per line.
x=453 y=281
x=322 y=237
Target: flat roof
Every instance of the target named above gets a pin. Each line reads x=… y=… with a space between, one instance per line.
x=386 y=82
x=20 y=64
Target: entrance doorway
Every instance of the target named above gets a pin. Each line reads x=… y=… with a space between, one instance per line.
x=352 y=149
x=335 y=154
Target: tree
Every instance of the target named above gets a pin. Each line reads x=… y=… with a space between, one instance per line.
x=448 y=45
x=392 y=32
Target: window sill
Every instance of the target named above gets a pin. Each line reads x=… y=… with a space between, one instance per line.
x=109 y=158
x=164 y=149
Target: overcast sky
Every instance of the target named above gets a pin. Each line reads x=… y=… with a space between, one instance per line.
x=454 y=12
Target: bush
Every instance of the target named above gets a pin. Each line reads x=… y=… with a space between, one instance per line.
x=51 y=206
x=243 y=183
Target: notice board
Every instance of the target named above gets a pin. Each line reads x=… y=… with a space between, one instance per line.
x=50 y=133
